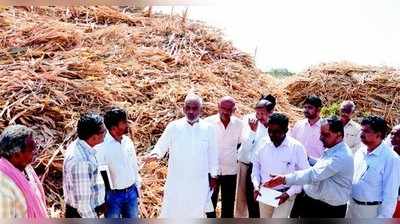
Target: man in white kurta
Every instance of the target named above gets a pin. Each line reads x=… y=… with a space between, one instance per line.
x=192 y=147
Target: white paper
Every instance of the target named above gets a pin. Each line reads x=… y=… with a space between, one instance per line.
x=268 y=196
x=209 y=205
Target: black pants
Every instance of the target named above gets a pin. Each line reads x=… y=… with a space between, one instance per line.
x=252 y=204
x=71 y=212
x=308 y=207
x=227 y=184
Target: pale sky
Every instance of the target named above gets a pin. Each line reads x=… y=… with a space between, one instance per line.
x=295 y=34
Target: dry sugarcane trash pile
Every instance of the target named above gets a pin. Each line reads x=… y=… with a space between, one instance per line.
x=56 y=63
x=375 y=90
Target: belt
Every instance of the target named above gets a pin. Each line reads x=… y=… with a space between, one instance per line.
x=123 y=190
x=247 y=164
x=283 y=189
x=367 y=203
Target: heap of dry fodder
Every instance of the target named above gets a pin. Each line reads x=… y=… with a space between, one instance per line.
x=56 y=63
x=375 y=90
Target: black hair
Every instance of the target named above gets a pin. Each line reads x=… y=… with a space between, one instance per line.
x=89 y=124
x=314 y=101
x=268 y=102
x=113 y=116
x=377 y=124
x=335 y=124
x=279 y=119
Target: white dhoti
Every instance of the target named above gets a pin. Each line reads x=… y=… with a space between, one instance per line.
x=241 y=210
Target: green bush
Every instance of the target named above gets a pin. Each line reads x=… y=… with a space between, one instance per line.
x=330 y=110
x=280 y=72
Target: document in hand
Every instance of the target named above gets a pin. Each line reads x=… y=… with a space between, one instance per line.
x=268 y=196
x=105 y=173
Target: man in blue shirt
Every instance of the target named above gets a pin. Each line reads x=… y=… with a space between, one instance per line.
x=376 y=177
x=327 y=184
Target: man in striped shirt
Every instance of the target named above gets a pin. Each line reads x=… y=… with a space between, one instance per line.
x=83 y=187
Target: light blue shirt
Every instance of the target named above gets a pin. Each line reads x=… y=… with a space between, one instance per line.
x=330 y=179
x=377 y=178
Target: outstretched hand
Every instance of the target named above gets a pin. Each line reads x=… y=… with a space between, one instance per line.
x=275 y=181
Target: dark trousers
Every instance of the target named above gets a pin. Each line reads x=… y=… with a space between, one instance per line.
x=307 y=207
x=227 y=184
x=252 y=204
x=71 y=212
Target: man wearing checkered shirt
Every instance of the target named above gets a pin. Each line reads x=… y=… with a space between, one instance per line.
x=83 y=187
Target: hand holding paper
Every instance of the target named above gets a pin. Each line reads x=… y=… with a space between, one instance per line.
x=269 y=196
x=282 y=198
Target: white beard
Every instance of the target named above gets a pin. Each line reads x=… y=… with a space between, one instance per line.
x=192 y=121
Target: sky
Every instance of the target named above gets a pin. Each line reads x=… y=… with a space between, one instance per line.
x=295 y=34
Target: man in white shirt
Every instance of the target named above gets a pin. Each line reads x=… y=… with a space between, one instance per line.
x=282 y=155
x=254 y=135
x=192 y=146
x=229 y=132
x=376 y=178
x=352 y=129
x=118 y=154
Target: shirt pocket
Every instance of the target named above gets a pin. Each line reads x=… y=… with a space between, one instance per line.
x=288 y=166
x=372 y=176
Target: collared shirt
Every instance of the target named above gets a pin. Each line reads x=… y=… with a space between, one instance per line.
x=352 y=132
x=376 y=178
x=120 y=157
x=251 y=140
x=284 y=159
x=12 y=200
x=228 y=140
x=330 y=179
x=309 y=135
x=83 y=186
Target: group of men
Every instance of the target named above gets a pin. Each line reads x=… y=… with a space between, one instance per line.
x=102 y=141
x=321 y=167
